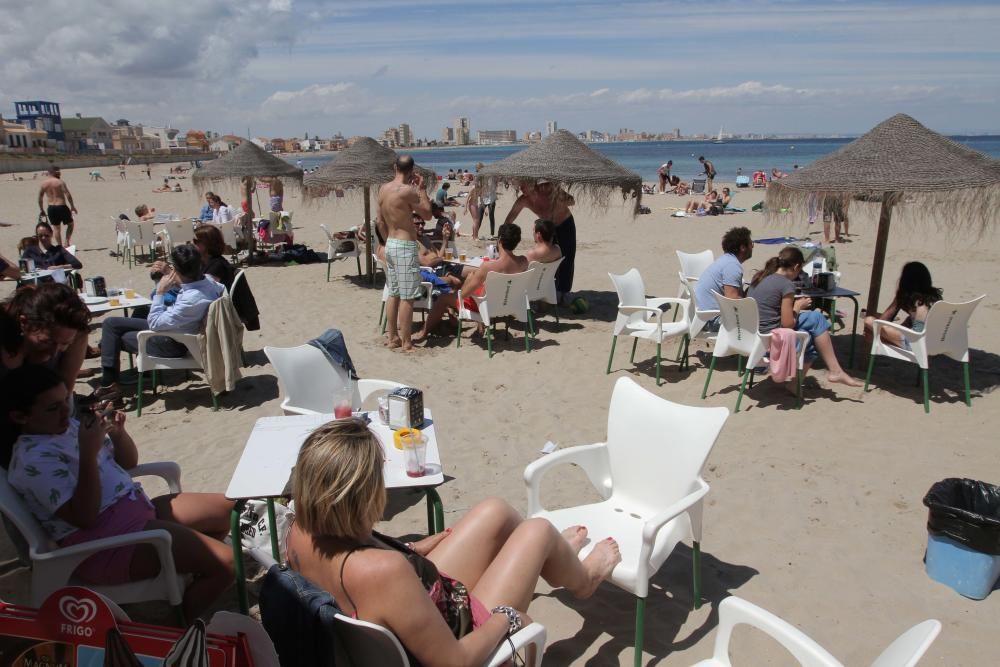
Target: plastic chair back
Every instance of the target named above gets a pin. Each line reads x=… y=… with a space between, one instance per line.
x=739 y=322
x=135 y=232
x=179 y=232
x=656 y=447
x=631 y=292
x=228 y=231
x=947 y=328
x=543 y=287
x=506 y=295
x=694 y=264
x=311 y=382
x=14 y=509
x=910 y=646
x=697 y=319
x=369 y=644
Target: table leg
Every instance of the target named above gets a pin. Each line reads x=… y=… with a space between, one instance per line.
x=273 y=530
x=435 y=512
x=854 y=333
x=234 y=535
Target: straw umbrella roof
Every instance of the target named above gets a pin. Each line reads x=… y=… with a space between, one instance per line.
x=247 y=159
x=564 y=159
x=951 y=183
x=366 y=164
x=900 y=161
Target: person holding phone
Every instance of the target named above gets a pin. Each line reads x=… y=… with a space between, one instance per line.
x=73 y=476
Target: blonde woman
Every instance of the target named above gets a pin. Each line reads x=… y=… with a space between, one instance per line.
x=493 y=557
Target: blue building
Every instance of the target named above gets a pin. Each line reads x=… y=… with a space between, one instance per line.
x=43 y=116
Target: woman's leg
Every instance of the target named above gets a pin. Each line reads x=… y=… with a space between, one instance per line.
x=475 y=540
x=813 y=322
x=208 y=560
x=890 y=336
x=206 y=513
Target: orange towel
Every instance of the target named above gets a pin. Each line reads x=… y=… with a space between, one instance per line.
x=783 y=355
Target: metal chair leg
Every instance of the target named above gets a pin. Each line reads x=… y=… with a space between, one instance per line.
x=927 y=390
x=743 y=384
x=614 y=339
x=631 y=359
x=640 y=626
x=871 y=366
x=658 y=348
x=708 y=378
x=968 y=383
x=696 y=573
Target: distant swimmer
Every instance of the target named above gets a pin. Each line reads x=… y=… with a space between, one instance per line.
x=59 y=213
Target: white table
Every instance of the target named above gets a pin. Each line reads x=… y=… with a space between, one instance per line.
x=123 y=304
x=265 y=470
x=474 y=262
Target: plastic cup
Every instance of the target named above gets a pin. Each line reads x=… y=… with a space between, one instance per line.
x=461 y=257
x=447 y=254
x=113 y=301
x=383 y=408
x=129 y=293
x=414 y=445
x=342 y=409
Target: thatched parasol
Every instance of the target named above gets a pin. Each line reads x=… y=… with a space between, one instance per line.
x=244 y=163
x=565 y=160
x=900 y=160
x=366 y=164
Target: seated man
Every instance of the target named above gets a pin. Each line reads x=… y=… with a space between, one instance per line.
x=186 y=315
x=441 y=196
x=144 y=213
x=509 y=235
x=544 y=250
x=441 y=220
x=163 y=188
x=725 y=274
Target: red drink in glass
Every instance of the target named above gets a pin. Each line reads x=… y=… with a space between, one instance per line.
x=342 y=410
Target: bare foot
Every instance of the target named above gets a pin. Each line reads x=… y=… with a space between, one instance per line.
x=393 y=343
x=843 y=378
x=598 y=565
x=419 y=336
x=407 y=347
x=576 y=536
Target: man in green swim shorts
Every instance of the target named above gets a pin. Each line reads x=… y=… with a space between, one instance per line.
x=398 y=201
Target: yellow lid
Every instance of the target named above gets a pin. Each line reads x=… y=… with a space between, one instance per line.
x=398 y=433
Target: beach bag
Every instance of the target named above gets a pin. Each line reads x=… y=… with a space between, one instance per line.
x=255 y=533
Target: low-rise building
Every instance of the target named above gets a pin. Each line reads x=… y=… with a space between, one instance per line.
x=19 y=138
x=88 y=134
x=45 y=116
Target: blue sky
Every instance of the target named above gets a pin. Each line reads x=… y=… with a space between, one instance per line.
x=284 y=67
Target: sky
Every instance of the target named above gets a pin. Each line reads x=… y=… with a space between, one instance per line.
x=289 y=67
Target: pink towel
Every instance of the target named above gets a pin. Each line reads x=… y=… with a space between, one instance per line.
x=783 y=356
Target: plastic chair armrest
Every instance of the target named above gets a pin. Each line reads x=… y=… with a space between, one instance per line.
x=530 y=634
x=69 y=557
x=631 y=310
x=733 y=611
x=168 y=471
x=368 y=386
x=652 y=526
x=296 y=410
x=592 y=458
x=187 y=340
x=910 y=334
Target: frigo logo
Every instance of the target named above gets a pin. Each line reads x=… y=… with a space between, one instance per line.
x=78 y=612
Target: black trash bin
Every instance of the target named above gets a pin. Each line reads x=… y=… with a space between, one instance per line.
x=963 y=535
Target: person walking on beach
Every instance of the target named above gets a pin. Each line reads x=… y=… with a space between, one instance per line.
x=552 y=203
x=398 y=201
x=709 y=172
x=59 y=213
x=664 y=173
x=121 y=171
x=149 y=172
x=488 y=202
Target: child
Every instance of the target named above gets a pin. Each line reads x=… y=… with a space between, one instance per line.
x=73 y=477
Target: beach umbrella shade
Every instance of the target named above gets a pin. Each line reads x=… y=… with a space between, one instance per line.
x=365 y=164
x=563 y=159
x=245 y=163
x=900 y=161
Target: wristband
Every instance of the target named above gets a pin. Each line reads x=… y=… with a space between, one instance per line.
x=513 y=617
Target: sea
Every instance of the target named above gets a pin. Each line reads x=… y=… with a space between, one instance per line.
x=645 y=157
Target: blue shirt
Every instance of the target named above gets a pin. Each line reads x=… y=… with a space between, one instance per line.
x=206 y=213
x=726 y=270
x=441 y=196
x=188 y=311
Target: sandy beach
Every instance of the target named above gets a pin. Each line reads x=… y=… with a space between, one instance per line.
x=814 y=514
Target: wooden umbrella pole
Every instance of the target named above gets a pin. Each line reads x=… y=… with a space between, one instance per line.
x=368 y=235
x=881 y=243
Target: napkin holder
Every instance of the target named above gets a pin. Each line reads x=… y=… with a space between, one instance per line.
x=95 y=286
x=826 y=281
x=406 y=408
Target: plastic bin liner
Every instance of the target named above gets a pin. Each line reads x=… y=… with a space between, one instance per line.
x=967 y=511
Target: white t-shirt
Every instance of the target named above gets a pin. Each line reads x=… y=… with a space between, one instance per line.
x=223 y=214
x=44 y=471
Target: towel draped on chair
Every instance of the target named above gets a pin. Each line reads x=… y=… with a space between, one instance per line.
x=783 y=366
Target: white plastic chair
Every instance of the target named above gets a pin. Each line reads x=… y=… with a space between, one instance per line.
x=649 y=474
x=121 y=235
x=228 y=231
x=693 y=265
x=739 y=334
x=145 y=361
x=946 y=331
x=641 y=317
x=332 y=254
x=905 y=651
x=175 y=233
x=543 y=287
x=311 y=382
x=506 y=296
x=272 y=236
x=138 y=235
x=697 y=319
x=421 y=305
x=52 y=566
x=371 y=644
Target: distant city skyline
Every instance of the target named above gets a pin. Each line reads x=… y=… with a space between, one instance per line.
x=776 y=67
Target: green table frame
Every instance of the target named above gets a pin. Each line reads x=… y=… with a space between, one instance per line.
x=829 y=297
x=435 y=524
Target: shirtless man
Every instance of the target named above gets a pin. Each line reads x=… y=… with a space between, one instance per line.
x=398 y=201
x=508 y=236
x=544 y=250
x=552 y=203
x=59 y=213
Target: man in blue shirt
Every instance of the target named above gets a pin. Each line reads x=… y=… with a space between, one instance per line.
x=206 y=210
x=186 y=315
x=725 y=274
